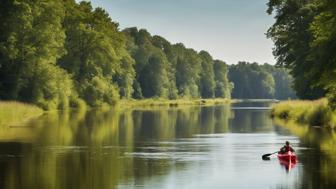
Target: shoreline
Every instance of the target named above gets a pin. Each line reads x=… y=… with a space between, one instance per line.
x=16 y=114
x=130 y=103
x=315 y=113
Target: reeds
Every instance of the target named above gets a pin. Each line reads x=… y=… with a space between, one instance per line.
x=314 y=113
x=15 y=113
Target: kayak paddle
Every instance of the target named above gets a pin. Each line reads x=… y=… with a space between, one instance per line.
x=266 y=156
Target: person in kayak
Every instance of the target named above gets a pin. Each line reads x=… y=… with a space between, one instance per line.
x=286 y=148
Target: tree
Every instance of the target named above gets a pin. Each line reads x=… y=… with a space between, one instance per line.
x=153 y=78
x=323 y=46
x=223 y=87
x=62 y=53
x=31 y=41
x=188 y=69
x=252 y=80
x=283 y=81
x=292 y=38
x=154 y=73
x=96 y=54
x=207 y=82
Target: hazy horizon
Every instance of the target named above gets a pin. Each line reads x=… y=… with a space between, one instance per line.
x=230 y=30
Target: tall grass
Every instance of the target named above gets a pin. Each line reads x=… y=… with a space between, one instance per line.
x=314 y=113
x=15 y=113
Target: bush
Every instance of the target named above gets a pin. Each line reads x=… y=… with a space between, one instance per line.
x=99 y=91
x=77 y=103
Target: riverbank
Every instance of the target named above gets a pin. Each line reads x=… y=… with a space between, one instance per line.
x=17 y=113
x=313 y=113
x=173 y=103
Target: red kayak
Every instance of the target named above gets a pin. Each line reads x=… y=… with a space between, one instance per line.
x=287 y=157
x=288 y=160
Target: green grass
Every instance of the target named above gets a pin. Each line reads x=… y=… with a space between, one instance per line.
x=173 y=103
x=16 y=113
x=314 y=113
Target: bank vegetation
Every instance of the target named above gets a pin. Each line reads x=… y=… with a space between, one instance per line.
x=16 y=113
x=313 y=113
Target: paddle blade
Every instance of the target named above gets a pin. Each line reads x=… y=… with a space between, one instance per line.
x=266 y=156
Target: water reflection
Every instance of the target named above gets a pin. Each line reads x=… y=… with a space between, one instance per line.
x=189 y=147
x=94 y=149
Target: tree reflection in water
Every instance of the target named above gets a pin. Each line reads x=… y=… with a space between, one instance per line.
x=122 y=147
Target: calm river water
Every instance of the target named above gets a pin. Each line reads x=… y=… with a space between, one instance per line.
x=163 y=148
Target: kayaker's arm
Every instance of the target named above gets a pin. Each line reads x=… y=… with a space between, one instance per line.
x=283 y=149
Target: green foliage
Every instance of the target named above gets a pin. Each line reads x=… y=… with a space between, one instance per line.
x=223 y=87
x=98 y=91
x=14 y=113
x=171 y=71
x=323 y=47
x=96 y=55
x=188 y=69
x=314 y=113
x=64 y=54
x=293 y=37
x=151 y=65
x=125 y=77
x=304 y=34
x=207 y=82
x=260 y=81
x=77 y=103
x=250 y=81
x=52 y=87
x=31 y=41
x=283 y=81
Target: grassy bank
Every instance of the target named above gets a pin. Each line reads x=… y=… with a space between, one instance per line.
x=173 y=103
x=313 y=113
x=16 y=113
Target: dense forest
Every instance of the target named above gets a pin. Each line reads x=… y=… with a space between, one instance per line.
x=253 y=81
x=58 y=54
x=304 y=34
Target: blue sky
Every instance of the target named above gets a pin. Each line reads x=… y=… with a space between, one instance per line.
x=230 y=30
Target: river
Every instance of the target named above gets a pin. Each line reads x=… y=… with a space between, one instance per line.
x=163 y=148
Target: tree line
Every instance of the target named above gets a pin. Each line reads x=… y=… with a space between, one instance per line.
x=58 y=54
x=304 y=34
x=253 y=81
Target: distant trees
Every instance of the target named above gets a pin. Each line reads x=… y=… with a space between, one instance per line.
x=188 y=70
x=171 y=71
x=260 y=81
x=151 y=64
x=223 y=87
x=59 y=54
x=207 y=83
x=283 y=81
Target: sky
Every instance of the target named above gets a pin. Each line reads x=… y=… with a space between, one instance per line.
x=230 y=30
